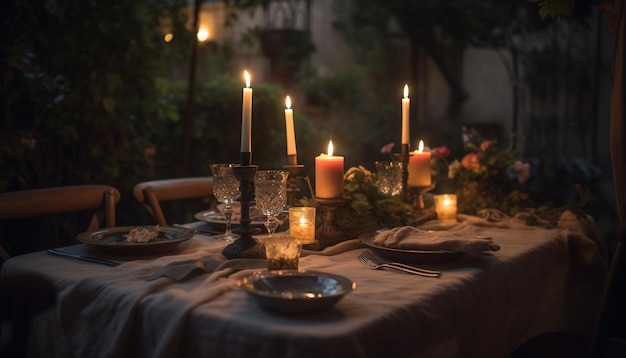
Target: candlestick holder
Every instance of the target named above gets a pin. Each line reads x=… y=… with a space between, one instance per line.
x=329 y=234
x=403 y=158
x=418 y=195
x=292 y=187
x=245 y=246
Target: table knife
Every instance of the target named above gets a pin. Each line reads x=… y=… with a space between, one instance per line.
x=83 y=257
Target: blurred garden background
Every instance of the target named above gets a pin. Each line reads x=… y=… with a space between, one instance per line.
x=122 y=92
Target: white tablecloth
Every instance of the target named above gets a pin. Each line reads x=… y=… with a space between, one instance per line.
x=482 y=306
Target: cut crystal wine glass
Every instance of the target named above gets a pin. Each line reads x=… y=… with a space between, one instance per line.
x=271 y=195
x=226 y=190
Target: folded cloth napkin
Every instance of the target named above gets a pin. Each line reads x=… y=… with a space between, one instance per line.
x=255 y=213
x=183 y=270
x=409 y=237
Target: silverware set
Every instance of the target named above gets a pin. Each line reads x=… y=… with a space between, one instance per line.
x=371 y=260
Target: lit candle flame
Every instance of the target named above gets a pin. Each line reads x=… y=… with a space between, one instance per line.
x=247 y=76
x=406 y=91
x=203 y=34
x=288 y=102
x=330 y=148
x=420 y=147
x=447 y=202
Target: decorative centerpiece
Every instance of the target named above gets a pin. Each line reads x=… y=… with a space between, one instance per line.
x=485 y=177
x=367 y=204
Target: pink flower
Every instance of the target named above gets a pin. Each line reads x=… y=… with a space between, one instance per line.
x=441 y=152
x=386 y=149
x=521 y=171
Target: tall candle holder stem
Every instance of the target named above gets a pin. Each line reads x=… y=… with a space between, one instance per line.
x=292 y=187
x=329 y=234
x=403 y=158
x=418 y=195
x=245 y=246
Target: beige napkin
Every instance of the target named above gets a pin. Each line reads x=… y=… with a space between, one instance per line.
x=255 y=214
x=184 y=270
x=409 y=237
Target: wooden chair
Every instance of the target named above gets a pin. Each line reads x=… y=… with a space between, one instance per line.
x=151 y=194
x=100 y=199
x=22 y=296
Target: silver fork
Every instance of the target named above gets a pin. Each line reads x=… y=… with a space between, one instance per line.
x=372 y=261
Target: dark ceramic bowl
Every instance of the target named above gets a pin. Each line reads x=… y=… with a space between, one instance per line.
x=293 y=291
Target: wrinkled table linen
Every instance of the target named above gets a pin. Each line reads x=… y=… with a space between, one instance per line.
x=413 y=238
x=484 y=305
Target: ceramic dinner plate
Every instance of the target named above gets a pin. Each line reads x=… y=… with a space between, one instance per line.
x=293 y=291
x=215 y=217
x=407 y=255
x=113 y=240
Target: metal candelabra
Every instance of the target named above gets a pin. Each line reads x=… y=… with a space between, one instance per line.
x=245 y=246
x=292 y=187
x=329 y=234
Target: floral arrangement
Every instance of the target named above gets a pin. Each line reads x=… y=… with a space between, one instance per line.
x=367 y=202
x=486 y=176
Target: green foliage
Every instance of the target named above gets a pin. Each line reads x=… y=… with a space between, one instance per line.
x=357 y=119
x=82 y=109
x=343 y=89
x=88 y=95
x=554 y=8
x=366 y=203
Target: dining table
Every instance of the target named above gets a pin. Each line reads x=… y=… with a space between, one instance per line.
x=482 y=305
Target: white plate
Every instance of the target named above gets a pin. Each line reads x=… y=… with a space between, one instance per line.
x=113 y=240
x=215 y=217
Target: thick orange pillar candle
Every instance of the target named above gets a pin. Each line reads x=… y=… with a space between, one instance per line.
x=419 y=167
x=328 y=175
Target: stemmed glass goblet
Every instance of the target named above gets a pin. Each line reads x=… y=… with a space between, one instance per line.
x=271 y=195
x=226 y=190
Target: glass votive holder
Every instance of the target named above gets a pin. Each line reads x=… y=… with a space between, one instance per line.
x=389 y=177
x=282 y=252
x=302 y=224
x=445 y=206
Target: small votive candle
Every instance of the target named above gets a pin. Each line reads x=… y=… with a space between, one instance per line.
x=445 y=206
x=282 y=252
x=302 y=224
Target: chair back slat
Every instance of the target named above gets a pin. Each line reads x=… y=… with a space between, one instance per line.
x=150 y=194
x=99 y=200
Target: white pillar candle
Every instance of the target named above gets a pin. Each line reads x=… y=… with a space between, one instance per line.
x=406 y=105
x=291 y=133
x=246 y=116
x=419 y=167
x=328 y=175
